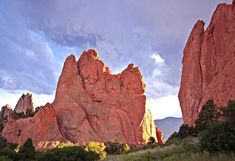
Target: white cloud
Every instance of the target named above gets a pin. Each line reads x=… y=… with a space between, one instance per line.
x=12 y=98
x=164 y=107
x=157 y=58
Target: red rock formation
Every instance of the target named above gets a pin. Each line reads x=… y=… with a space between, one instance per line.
x=101 y=106
x=90 y=104
x=209 y=64
x=25 y=104
x=159 y=135
x=42 y=127
x=6 y=112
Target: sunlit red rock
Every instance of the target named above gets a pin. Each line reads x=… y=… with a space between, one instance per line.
x=209 y=64
x=42 y=127
x=101 y=106
x=159 y=135
x=90 y=104
x=25 y=104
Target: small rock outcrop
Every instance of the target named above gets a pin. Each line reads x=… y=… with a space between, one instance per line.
x=209 y=63
x=25 y=104
x=90 y=104
x=41 y=128
x=5 y=113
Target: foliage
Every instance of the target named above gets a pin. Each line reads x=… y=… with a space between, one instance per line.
x=98 y=148
x=184 y=132
x=116 y=148
x=220 y=136
x=7 y=152
x=184 y=150
x=229 y=111
x=207 y=116
x=74 y=153
x=151 y=140
x=3 y=158
x=27 y=151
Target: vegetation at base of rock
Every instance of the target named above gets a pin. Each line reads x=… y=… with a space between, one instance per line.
x=98 y=148
x=91 y=151
x=214 y=128
x=115 y=147
x=212 y=139
x=207 y=116
x=187 y=149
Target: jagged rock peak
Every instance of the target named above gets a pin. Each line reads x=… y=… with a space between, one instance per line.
x=90 y=104
x=25 y=104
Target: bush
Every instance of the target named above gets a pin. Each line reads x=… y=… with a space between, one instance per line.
x=98 y=148
x=74 y=153
x=27 y=151
x=7 y=152
x=116 y=148
x=220 y=136
x=151 y=141
x=3 y=158
x=184 y=132
x=207 y=116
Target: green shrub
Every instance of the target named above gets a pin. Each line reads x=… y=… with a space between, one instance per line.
x=184 y=132
x=74 y=153
x=116 y=148
x=98 y=148
x=7 y=152
x=27 y=151
x=207 y=116
x=220 y=136
x=3 y=158
x=151 y=140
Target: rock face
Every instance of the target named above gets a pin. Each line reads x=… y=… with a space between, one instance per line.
x=90 y=104
x=41 y=128
x=25 y=104
x=209 y=63
x=5 y=113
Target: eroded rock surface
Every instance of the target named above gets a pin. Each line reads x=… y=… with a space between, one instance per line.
x=209 y=63
x=5 y=113
x=90 y=104
x=25 y=104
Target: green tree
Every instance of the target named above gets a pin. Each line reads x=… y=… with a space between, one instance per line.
x=151 y=141
x=220 y=135
x=27 y=151
x=207 y=116
x=229 y=111
x=115 y=147
x=186 y=131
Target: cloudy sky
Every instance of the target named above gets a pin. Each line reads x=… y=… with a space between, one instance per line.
x=37 y=36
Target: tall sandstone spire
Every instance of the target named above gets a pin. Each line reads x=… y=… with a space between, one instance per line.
x=209 y=63
x=90 y=104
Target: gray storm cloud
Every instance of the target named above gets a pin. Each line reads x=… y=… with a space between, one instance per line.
x=122 y=31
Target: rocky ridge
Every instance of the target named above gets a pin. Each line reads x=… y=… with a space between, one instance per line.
x=90 y=104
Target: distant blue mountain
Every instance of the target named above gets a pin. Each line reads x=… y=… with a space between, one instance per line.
x=168 y=125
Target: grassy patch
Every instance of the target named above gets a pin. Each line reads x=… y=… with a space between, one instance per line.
x=186 y=150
